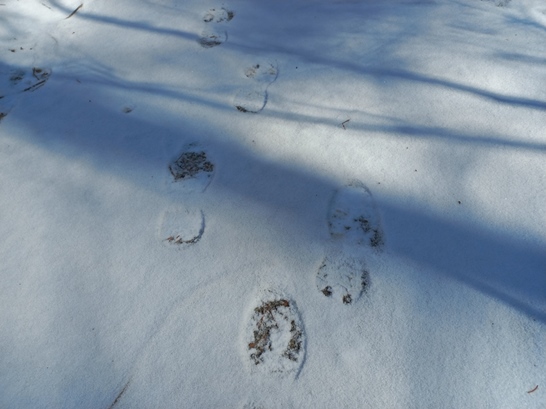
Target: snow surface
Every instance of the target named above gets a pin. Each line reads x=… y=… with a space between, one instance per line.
x=437 y=108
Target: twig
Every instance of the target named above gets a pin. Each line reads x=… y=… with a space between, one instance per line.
x=45 y=5
x=75 y=11
x=120 y=395
x=344 y=122
x=532 y=390
x=35 y=86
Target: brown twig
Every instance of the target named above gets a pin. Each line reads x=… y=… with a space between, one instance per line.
x=532 y=390
x=119 y=395
x=344 y=122
x=35 y=86
x=75 y=11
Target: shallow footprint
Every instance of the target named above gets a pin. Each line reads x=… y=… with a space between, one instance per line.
x=218 y=15
x=15 y=81
x=181 y=228
x=343 y=278
x=254 y=98
x=353 y=216
x=212 y=38
x=192 y=170
x=264 y=73
x=18 y=80
x=214 y=35
x=274 y=338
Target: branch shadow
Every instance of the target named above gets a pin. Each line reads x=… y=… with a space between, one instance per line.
x=376 y=73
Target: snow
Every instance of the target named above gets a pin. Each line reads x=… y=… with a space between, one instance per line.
x=423 y=120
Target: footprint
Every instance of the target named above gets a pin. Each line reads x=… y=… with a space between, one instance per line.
x=353 y=221
x=275 y=339
x=213 y=34
x=15 y=81
x=254 y=98
x=209 y=39
x=353 y=217
x=192 y=170
x=18 y=80
x=343 y=278
x=181 y=227
x=218 y=15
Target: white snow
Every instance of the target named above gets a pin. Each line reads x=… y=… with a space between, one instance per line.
x=437 y=109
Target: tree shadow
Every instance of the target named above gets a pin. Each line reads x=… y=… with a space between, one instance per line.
x=503 y=266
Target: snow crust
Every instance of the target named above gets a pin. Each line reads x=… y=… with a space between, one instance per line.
x=430 y=114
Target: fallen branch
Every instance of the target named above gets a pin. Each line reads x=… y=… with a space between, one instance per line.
x=344 y=122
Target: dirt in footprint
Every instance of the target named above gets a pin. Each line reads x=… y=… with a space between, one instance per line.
x=275 y=336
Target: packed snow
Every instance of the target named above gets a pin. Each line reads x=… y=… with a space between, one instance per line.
x=273 y=204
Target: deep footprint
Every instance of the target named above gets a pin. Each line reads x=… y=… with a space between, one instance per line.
x=353 y=217
x=254 y=98
x=214 y=35
x=275 y=339
x=342 y=278
x=192 y=170
x=181 y=228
